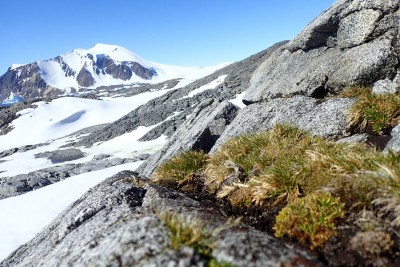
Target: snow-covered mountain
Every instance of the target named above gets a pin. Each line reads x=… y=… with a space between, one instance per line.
x=101 y=65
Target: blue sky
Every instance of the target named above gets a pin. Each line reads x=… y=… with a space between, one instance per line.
x=176 y=32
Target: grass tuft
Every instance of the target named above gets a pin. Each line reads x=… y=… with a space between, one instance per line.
x=379 y=111
x=195 y=233
x=180 y=168
x=188 y=231
x=253 y=154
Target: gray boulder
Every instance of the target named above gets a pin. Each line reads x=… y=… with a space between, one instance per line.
x=115 y=224
x=385 y=87
x=61 y=155
x=394 y=142
x=357 y=138
x=199 y=132
x=327 y=119
x=8 y=114
x=351 y=43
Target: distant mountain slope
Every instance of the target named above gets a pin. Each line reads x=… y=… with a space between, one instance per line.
x=101 y=65
x=226 y=83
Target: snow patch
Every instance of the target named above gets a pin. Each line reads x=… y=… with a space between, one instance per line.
x=211 y=85
x=15 y=66
x=238 y=100
x=53 y=74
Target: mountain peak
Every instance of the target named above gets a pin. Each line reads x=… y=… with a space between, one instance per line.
x=118 y=53
x=105 y=47
x=100 y=65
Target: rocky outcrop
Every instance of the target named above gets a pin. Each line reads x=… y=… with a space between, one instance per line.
x=352 y=43
x=158 y=110
x=24 y=81
x=123 y=70
x=84 y=78
x=9 y=152
x=166 y=128
x=61 y=155
x=23 y=183
x=8 y=114
x=199 y=132
x=327 y=119
x=116 y=224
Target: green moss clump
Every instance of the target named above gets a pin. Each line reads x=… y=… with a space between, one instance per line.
x=311 y=219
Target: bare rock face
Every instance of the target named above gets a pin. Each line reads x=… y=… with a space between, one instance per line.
x=352 y=43
x=84 y=78
x=116 y=224
x=25 y=81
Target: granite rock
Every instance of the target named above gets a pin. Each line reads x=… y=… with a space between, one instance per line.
x=327 y=119
x=351 y=43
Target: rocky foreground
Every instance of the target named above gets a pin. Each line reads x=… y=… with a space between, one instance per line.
x=120 y=222
x=117 y=224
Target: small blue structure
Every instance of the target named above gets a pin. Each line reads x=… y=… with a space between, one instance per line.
x=11 y=100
